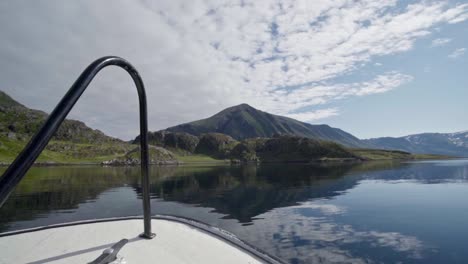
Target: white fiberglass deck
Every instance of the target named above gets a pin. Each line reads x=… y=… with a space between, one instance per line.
x=175 y=242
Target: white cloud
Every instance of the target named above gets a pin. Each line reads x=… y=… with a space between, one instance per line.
x=322 y=206
x=198 y=57
x=457 y=53
x=318 y=94
x=440 y=42
x=308 y=116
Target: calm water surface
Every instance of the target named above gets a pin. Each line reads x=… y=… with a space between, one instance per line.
x=352 y=213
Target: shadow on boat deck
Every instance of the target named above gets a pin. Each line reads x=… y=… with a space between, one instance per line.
x=79 y=252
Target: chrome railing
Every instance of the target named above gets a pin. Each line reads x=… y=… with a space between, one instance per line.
x=26 y=158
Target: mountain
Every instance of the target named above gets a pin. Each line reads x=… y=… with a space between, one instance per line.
x=19 y=122
x=74 y=142
x=452 y=144
x=243 y=121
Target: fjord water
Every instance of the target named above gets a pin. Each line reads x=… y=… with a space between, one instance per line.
x=379 y=212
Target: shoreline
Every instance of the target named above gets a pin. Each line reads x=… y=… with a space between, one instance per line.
x=229 y=162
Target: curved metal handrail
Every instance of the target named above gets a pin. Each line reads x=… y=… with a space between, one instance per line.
x=26 y=158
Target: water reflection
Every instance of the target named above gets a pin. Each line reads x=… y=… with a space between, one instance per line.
x=329 y=213
x=241 y=192
x=245 y=192
x=298 y=235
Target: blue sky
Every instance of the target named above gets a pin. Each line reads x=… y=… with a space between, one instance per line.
x=434 y=101
x=372 y=68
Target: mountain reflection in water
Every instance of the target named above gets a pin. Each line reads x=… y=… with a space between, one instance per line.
x=330 y=213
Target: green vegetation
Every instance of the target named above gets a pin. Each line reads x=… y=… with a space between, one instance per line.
x=199 y=158
x=243 y=122
x=20 y=123
x=431 y=157
x=380 y=154
x=216 y=145
x=174 y=141
x=76 y=153
x=157 y=156
x=74 y=142
x=299 y=149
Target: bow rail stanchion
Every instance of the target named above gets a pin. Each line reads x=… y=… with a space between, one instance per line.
x=26 y=158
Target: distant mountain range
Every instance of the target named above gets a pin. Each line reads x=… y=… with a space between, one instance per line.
x=74 y=141
x=243 y=121
x=452 y=144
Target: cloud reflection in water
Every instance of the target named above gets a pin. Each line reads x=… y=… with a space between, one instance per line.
x=308 y=233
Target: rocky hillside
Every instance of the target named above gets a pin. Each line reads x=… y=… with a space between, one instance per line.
x=74 y=142
x=244 y=121
x=290 y=149
x=452 y=144
x=180 y=140
x=157 y=156
x=18 y=122
x=250 y=136
x=280 y=148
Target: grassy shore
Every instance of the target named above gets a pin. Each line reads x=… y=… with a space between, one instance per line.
x=379 y=154
x=64 y=152
x=61 y=152
x=199 y=158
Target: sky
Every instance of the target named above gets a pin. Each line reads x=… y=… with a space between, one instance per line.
x=371 y=68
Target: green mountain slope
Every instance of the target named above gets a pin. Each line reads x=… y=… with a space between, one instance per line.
x=20 y=122
x=243 y=121
x=73 y=142
x=290 y=149
x=240 y=134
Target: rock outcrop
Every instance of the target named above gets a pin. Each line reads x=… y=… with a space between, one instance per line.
x=216 y=145
x=157 y=156
x=178 y=140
